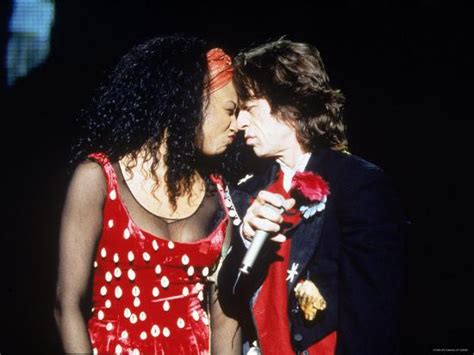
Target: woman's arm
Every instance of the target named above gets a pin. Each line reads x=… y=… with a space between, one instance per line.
x=225 y=331
x=81 y=225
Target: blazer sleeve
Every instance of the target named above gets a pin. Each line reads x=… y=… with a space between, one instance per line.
x=370 y=270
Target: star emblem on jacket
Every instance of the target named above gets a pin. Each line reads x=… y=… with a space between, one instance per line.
x=292 y=272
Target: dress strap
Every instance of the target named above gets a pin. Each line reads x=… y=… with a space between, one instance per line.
x=226 y=198
x=217 y=180
x=109 y=172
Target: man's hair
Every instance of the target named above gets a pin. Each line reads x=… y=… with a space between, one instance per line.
x=292 y=78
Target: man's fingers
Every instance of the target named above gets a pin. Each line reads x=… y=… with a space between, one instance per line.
x=267 y=212
x=247 y=231
x=288 y=205
x=264 y=225
x=279 y=238
x=265 y=197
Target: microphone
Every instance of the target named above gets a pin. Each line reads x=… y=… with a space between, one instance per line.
x=258 y=240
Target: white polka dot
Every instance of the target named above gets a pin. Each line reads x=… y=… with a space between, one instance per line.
x=95 y=264
x=131 y=274
x=103 y=252
x=155 y=330
x=126 y=233
x=155 y=245
x=95 y=351
x=124 y=334
x=195 y=315
x=166 y=306
x=142 y=316
x=130 y=256
x=165 y=282
x=180 y=323
x=110 y=223
x=117 y=272
x=200 y=296
x=118 y=349
x=136 y=302
x=185 y=291
x=205 y=271
x=103 y=290
x=116 y=258
x=108 y=304
x=136 y=291
x=136 y=352
x=100 y=315
x=155 y=292
x=133 y=318
x=170 y=245
x=205 y=320
x=166 y=332
x=109 y=326
x=146 y=256
x=185 y=259
x=118 y=292
x=108 y=276
x=127 y=313
x=190 y=270
x=92 y=309
x=143 y=335
x=158 y=269
x=113 y=195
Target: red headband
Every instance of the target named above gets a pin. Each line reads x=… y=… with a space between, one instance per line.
x=220 y=69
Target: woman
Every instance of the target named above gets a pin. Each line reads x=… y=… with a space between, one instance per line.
x=144 y=212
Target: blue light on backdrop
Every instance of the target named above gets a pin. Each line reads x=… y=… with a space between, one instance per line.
x=29 y=36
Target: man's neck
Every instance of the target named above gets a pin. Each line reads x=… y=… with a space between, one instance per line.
x=291 y=156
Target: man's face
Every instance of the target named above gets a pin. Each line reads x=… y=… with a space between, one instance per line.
x=268 y=136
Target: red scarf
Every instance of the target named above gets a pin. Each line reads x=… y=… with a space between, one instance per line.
x=270 y=308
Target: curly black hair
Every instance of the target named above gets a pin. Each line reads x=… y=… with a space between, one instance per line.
x=156 y=94
x=292 y=77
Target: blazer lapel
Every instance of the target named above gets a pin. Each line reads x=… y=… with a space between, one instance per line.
x=307 y=234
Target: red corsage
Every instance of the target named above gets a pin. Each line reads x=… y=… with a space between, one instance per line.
x=310 y=191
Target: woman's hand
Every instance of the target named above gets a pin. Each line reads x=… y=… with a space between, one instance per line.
x=309 y=299
x=265 y=214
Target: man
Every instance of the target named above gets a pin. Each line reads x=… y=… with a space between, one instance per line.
x=332 y=285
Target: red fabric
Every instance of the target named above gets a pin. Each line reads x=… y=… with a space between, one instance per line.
x=146 y=299
x=270 y=308
x=326 y=346
x=220 y=69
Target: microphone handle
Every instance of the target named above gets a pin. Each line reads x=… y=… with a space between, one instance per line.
x=257 y=243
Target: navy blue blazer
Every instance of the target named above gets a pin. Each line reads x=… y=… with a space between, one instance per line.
x=352 y=251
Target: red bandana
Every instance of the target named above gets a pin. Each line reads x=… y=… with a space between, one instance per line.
x=220 y=69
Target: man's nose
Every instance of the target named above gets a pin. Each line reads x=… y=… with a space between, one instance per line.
x=242 y=120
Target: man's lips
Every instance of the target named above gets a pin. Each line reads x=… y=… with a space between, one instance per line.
x=249 y=140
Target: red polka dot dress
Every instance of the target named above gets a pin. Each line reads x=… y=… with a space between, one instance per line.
x=148 y=292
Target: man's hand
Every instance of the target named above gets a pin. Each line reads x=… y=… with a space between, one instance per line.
x=264 y=214
x=309 y=299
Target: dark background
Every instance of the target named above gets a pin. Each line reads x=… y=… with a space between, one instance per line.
x=403 y=70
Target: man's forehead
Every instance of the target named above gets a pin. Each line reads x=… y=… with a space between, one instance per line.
x=249 y=101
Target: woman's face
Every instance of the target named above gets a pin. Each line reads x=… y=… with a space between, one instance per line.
x=220 y=126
